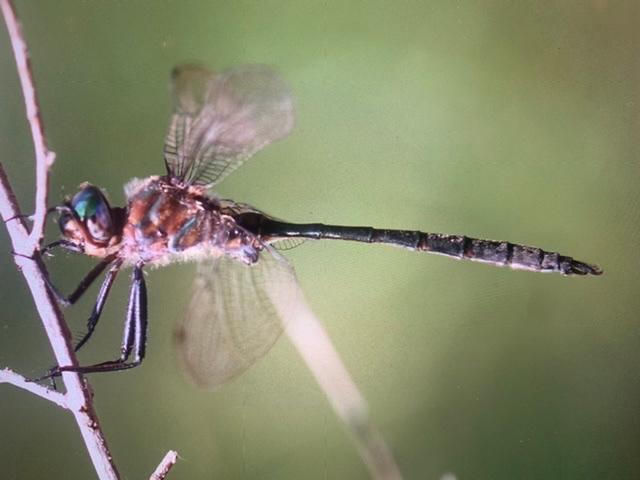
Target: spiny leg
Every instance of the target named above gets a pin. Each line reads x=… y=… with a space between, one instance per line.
x=134 y=336
x=29 y=216
x=97 y=309
x=64 y=244
x=85 y=283
x=105 y=288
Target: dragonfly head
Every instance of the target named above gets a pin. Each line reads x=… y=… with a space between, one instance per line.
x=88 y=220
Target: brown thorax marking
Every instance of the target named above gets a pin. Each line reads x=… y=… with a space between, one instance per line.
x=166 y=218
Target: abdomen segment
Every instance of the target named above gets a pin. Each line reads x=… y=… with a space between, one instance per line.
x=500 y=253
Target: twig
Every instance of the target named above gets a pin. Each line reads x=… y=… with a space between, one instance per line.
x=44 y=158
x=78 y=397
x=9 y=376
x=165 y=465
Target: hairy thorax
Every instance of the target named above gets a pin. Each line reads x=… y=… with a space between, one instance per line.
x=166 y=222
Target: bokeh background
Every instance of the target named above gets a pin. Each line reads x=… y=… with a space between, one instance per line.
x=506 y=120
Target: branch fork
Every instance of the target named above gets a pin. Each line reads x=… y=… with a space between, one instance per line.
x=26 y=244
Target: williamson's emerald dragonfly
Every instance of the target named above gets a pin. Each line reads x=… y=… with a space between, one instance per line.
x=243 y=284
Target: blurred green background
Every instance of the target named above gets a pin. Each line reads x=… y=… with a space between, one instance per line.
x=506 y=120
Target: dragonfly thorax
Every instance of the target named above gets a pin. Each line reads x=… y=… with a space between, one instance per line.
x=167 y=222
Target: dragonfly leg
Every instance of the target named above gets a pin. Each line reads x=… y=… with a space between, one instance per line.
x=77 y=293
x=64 y=244
x=67 y=245
x=19 y=217
x=105 y=288
x=29 y=216
x=134 y=336
x=131 y=324
x=85 y=283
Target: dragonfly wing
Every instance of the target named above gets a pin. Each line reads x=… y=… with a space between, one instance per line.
x=189 y=85
x=286 y=244
x=221 y=120
x=236 y=314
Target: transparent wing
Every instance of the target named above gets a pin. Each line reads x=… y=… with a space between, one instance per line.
x=287 y=244
x=221 y=120
x=236 y=314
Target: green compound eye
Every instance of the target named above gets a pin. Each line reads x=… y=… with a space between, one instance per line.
x=91 y=207
x=87 y=202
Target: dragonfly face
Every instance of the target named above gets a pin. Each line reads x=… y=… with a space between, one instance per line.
x=244 y=290
x=89 y=222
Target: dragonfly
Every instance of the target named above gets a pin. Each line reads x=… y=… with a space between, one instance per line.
x=243 y=286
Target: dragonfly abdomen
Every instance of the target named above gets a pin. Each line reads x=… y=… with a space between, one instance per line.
x=499 y=253
x=503 y=254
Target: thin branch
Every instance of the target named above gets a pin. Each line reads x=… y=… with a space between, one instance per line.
x=165 y=465
x=44 y=158
x=78 y=398
x=9 y=376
